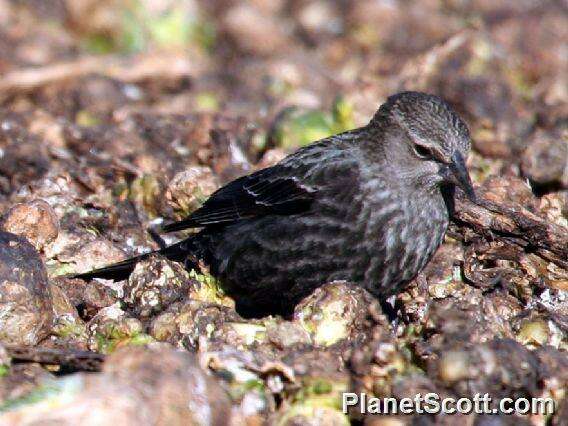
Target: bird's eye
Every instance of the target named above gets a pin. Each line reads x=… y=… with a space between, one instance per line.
x=422 y=151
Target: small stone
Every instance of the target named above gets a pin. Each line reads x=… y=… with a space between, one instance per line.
x=111 y=327
x=454 y=366
x=34 y=220
x=25 y=300
x=95 y=254
x=333 y=312
x=4 y=357
x=146 y=192
x=555 y=207
x=91 y=295
x=190 y=188
x=545 y=161
x=534 y=333
x=271 y=157
x=184 y=322
x=66 y=322
x=287 y=333
x=253 y=30
x=318 y=18
x=155 y=284
x=21 y=381
x=308 y=415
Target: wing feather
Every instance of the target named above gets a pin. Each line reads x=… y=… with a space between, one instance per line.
x=268 y=191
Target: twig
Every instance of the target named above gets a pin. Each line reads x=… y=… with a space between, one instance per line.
x=128 y=70
x=76 y=360
x=515 y=223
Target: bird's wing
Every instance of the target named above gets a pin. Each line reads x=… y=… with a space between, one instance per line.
x=268 y=191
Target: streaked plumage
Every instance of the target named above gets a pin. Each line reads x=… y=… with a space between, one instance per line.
x=369 y=206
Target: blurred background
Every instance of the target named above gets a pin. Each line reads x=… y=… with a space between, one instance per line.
x=296 y=70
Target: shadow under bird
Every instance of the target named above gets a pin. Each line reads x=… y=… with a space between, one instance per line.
x=369 y=206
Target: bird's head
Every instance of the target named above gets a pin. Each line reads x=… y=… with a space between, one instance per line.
x=426 y=139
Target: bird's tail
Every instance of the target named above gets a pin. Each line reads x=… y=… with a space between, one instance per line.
x=122 y=270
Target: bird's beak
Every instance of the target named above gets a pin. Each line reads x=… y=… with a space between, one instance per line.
x=460 y=177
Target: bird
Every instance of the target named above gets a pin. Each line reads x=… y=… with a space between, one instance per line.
x=369 y=206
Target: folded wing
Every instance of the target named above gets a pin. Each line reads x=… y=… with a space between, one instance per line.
x=268 y=191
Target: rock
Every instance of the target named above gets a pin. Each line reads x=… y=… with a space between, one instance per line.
x=312 y=416
x=90 y=295
x=20 y=381
x=501 y=367
x=34 y=220
x=25 y=301
x=190 y=188
x=138 y=386
x=24 y=156
x=241 y=334
x=287 y=333
x=111 y=327
x=66 y=322
x=319 y=18
x=545 y=161
x=184 y=322
x=4 y=357
x=454 y=366
x=554 y=206
x=155 y=284
x=271 y=157
x=333 y=312
x=254 y=31
x=94 y=254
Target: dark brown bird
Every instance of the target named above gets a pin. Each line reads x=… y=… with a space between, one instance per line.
x=369 y=206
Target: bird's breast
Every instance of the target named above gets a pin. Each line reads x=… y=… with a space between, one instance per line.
x=405 y=231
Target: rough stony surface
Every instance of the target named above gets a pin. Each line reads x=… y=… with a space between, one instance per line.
x=119 y=116
x=25 y=302
x=154 y=285
x=190 y=188
x=137 y=386
x=35 y=220
x=333 y=312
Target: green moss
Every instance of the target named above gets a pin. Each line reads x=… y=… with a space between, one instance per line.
x=107 y=344
x=85 y=118
x=100 y=44
x=237 y=390
x=140 y=28
x=208 y=289
x=141 y=339
x=145 y=191
x=207 y=102
x=342 y=115
x=48 y=392
x=70 y=330
x=301 y=127
x=120 y=189
x=520 y=82
x=170 y=29
x=322 y=387
x=57 y=269
x=4 y=370
x=321 y=392
x=202 y=33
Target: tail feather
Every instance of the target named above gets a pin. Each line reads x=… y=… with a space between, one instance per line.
x=122 y=270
